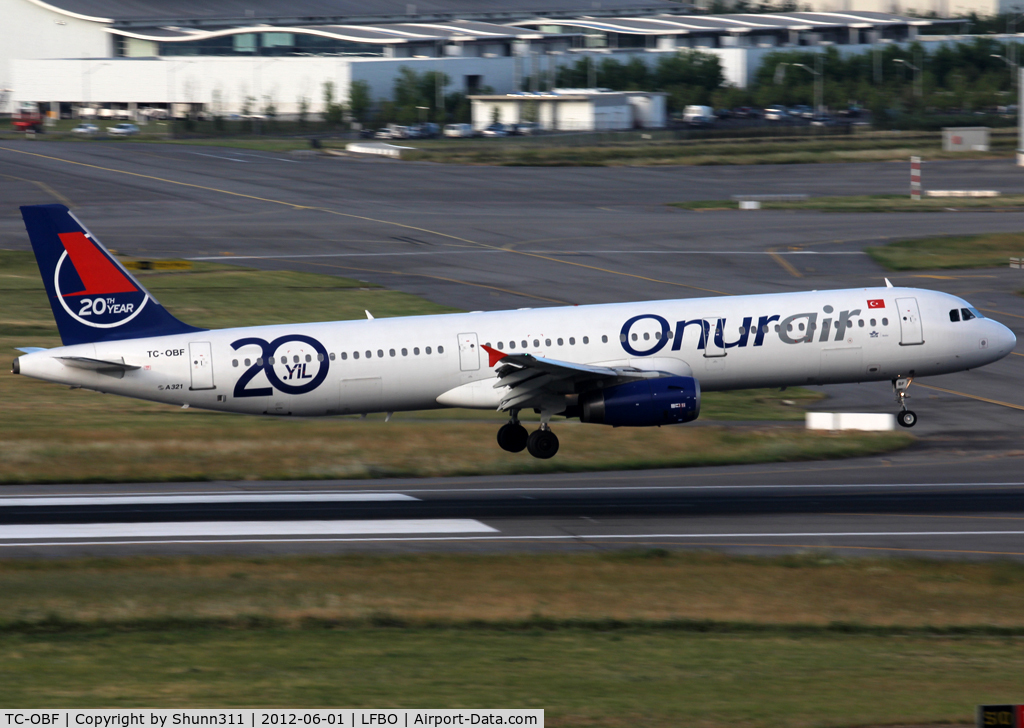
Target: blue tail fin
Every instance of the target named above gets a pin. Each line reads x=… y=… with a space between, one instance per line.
x=92 y=296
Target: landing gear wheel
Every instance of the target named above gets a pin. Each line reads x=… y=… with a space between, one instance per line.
x=906 y=418
x=512 y=437
x=542 y=444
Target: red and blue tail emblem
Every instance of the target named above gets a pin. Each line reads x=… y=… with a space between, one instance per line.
x=92 y=295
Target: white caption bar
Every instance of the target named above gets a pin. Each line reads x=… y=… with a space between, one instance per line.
x=267 y=718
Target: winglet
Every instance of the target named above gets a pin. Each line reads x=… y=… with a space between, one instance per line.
x=888 y=283
x=494 y=355
x=369 y=315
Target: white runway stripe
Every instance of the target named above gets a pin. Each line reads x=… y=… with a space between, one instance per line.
x=239 y=528
x=123 y=500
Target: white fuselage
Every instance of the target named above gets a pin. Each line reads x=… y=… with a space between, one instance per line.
x=424 y=362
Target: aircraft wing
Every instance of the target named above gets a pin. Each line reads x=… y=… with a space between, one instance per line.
x=532 y=380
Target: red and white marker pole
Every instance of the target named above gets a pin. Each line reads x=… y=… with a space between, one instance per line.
x=915 y=178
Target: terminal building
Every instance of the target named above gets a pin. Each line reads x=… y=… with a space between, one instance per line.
x=85 y=56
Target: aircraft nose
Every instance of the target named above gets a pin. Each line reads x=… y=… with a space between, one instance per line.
x=1005 y=339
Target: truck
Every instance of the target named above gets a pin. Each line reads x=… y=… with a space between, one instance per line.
x=27 y=117
x=694 y=115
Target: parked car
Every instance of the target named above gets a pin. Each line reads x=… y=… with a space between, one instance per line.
x=496 y=130
x=429 y=130
x=801 y=111
x=822 y=120
x=85 y=129
x=695 y=115
x=458 y=130
x=384 y=133
x=745 y=112
x=525 y=128
x=777 y=112
x=123 y=130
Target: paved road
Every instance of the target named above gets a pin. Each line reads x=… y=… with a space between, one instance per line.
x=491 y=238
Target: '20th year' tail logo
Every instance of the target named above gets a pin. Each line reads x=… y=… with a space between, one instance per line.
x=93 y=289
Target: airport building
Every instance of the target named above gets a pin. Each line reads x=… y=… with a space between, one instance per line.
x=90 y=57
x=570 y=109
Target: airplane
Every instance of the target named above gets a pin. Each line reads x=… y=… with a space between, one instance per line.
x=622 y=364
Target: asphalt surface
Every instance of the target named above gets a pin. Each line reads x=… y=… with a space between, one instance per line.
x=492 y=238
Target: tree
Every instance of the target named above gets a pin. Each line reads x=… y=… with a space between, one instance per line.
x=303 y=109
x=333 y=112
x=359 y=102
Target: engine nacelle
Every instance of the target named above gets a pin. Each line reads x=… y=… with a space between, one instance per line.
x=643 y=403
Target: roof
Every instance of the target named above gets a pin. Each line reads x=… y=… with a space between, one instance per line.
x=314 y=12
x=384 y=34
x=742 y=23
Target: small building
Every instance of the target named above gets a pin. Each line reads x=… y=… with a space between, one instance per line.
x=573 y=109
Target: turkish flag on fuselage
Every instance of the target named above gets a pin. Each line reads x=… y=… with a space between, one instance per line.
x=876 y=303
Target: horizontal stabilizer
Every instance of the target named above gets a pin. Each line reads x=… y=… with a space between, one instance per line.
x=29 y=349
x=114 y=369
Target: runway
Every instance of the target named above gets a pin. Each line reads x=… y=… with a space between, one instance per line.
x=914 y=503
x=485 y=238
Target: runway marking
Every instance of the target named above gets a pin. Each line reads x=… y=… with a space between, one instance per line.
x=1001 y=313
x=44 y=187
x=363 y=217
x=463 y=251
x=972 y=396
x=1016 y=353
x=586 y=489
x=785 y=264
x=217 y=156
x=201 y=529
x=157 y=499
x=929 y=515
x=64 y=528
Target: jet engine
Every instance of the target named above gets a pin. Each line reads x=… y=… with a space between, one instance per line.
x=643 y=403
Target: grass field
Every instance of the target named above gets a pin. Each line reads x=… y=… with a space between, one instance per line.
x=52 y=434
x=614 y=639
x=968 y=251
x=871 y=203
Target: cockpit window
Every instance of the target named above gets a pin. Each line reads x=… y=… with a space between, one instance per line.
x=967 y=314
x=954 y=315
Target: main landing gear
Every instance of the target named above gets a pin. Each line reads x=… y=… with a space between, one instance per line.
x=906 y=417
x=513 y=437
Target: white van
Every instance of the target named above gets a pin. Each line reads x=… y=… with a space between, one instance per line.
x=458 y=130
x=698 y=115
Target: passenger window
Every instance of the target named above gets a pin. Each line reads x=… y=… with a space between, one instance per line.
x=536 y=344
x=369 y=354
x=380 y=353
x=295 y=359
x=259 y=362
x=742 y=331
x=604 y=339
x=332 y=356
x=586 y=339
x=801 y=327
x=622 y=338
x=547 y=342
x=355 y=354
x=525 y=344
x=344 y=355
x=319 y=357
x=560 y=342
x=500 y=345
x=885 y=322
x=405 y=352
x=511 y=345
x=416 y=350
x=647 y=337
x=860 y=322
x=572 y=341
x=966 y=312
x=248 y=362
x=391 y=352
x=427 y=350
x=634 y=337
x=873 y=322
x=440 y=350
x=234 y=362
x=954 y=315
x=308 y=358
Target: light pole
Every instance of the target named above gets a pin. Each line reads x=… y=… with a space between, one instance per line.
x=1015 y=72
x=917 y=75
x=87 y=82
x=819 y=80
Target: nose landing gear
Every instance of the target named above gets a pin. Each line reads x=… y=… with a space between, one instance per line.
x=541 y=443
x=906 y=418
